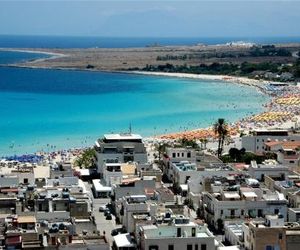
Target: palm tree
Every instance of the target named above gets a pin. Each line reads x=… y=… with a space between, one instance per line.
x=221 y=130
x=205 y=142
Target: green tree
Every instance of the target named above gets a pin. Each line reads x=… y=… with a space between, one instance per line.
x=221 y=131
x=161 y=149
x=188 y=143
x=87 y=159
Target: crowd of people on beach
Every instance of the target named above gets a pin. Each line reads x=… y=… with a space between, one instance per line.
x=283 y=108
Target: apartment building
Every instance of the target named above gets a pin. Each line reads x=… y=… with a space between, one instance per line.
x=242 y=204
x=256 y=141
x=119 y=148
x=178 y=234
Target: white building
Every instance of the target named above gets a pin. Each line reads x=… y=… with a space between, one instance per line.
x=256 y=142
x=133 y=205
x=176 y=155
x=197 y=181
x=120 y=148
x=115 y=173
x=246 y=203
x=267 y=168
x=178 y=235
x=124 y=242
x=294 y=214
x=234 y=232
x=288 y=152
x=101 y=190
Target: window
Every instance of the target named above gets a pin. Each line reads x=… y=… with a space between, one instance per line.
x=189 y=247
x=178 y=154
x=196 y=247
x=242 y=212
x=171 y=247
x=189 y=155
x=203 y=246
x=179 y=232
x=276 y=211
x=221 y=211
x=269 y=247
x=174 y=155
x=232 y=212
x=182 y=154
x=187 y=178
x=25 y=181
x=193 y=232
x=280 y=236
x=153 y=247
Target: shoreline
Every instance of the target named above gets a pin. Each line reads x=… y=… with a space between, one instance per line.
x=260 y=85
x=53 y=55
x=226 y=78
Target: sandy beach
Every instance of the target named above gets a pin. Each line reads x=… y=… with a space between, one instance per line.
x=53 y=55
x=282 y=112
x=233 y=79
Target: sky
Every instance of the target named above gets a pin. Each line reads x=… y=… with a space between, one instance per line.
x=145 y=18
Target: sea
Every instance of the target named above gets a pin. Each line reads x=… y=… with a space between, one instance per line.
x=47 y=110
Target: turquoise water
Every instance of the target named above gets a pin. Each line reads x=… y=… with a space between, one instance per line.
x=7 y=57
x=54 y=109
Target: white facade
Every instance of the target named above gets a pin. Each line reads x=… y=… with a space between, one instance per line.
x=234 y=232
x=100 y=190
x=120 y=148
x=256 y=142
x=196 y=182
x=294 y=215
x=9 y=181
x=112 y=173
x=234 y=205
x=134 y=204
x=179 y=235
x=183 y=171
x=176 y=155
x=259 y=171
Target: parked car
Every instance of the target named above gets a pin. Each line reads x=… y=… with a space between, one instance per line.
x=117 y=231
x=103 y=208
x=107 y=212
x=109 y=217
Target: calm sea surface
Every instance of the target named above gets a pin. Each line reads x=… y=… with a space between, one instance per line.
x=54 y=109
x=10 y=41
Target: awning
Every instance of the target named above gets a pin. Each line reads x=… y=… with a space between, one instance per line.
x=26 y=219
x=13 y=240
x=99 y=187
x=184 y=187
x=232 y=196
x=249 y=194
x=124 y=240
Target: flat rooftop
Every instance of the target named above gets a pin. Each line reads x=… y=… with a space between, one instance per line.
x=122 y=137
x=99 y=187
